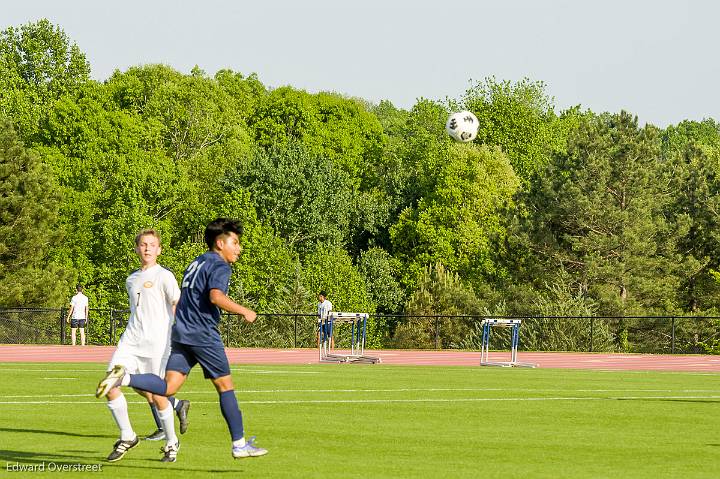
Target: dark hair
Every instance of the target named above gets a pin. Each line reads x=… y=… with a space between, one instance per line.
x=78 y=288
x=323 y=293
x=219 y=227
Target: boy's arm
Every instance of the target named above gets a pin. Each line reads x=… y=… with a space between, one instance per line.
x=221 y=300
x=172 y=292
x=70 y=311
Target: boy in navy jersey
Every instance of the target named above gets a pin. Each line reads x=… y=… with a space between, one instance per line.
x=196 y=340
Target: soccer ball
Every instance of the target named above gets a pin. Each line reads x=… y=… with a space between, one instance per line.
x=462 y=126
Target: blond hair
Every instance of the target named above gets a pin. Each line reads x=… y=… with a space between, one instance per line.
x=147 y=232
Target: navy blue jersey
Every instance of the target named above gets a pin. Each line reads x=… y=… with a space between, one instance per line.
x=196 y=318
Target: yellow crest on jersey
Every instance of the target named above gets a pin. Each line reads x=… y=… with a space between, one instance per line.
x=148 y=284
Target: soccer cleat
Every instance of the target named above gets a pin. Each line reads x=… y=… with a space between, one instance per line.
x=170 y=452
x=158 y=435
x=182 y=413
x=112 y=379
x=248 y=450
x=120 y=448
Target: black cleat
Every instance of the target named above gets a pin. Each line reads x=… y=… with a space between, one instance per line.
x=120 y=448
x=182 y=413
x=170 y=452
x=158 y=435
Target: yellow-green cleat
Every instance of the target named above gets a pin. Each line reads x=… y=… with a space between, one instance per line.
x=112 y=379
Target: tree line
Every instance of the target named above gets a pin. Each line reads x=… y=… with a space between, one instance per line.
x=546 y=213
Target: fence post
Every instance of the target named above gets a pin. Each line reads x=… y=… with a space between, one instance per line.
x=62 y=325
x=437 y=332
x=112 y=326
x=672 y=347
x=295 y=336
x=592 y=324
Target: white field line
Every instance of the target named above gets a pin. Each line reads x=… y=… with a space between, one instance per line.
x=424 y=400
x=393 y=390
x=102 y=369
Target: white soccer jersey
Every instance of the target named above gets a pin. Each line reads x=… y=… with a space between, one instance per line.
x=79 y=303
x=152 y=294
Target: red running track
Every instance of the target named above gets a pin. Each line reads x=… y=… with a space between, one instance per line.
x=601 y=361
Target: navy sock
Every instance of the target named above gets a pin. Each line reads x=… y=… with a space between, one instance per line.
x=155 y=416
x=231 y=413
x=148 y=382
x=174 y=402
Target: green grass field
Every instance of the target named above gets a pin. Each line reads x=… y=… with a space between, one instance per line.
x=363 y=421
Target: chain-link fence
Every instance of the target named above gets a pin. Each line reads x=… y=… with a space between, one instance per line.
x=31 y=326
x=641 y=334
x=636 y=334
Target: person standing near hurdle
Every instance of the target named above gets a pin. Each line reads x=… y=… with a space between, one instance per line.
x=145 y=345
x=78 y=315
x=324 y=325
x=196 y=340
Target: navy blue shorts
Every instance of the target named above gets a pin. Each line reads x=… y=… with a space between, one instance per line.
x=212 y=359
x=77 y=323
x=325 y=329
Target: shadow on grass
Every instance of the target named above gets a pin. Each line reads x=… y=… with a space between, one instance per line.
x=170 y=467
x=690 y=401
x=57 y=433
x=26 y=457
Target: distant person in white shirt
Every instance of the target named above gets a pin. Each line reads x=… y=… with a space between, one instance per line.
x=324 y=327
x=144 y=347
x=78 y=315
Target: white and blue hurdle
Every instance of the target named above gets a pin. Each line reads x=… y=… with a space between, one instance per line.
x=514 y=325
x=358 y=329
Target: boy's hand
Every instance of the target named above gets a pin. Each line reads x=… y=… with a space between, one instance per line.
x=250 y=316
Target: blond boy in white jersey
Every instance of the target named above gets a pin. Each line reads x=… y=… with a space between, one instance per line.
x=145 y=345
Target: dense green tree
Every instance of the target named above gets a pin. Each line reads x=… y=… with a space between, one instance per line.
x=114 y=168
x=457 y=221
x=38 y=65
x=330 y=268
x=543 y=214
x=415 y=142
x=29 y=201
x=440 y=292
x=336 y=128
x=304 y=198
x=380 y=271
x=598 y=214
x=199 y=122
x=518 y=117
x=691 y=152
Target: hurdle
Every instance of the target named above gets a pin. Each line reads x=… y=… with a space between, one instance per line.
x=358 y=325
x=514 y=325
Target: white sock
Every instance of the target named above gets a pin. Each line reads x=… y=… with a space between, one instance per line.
x=125 y=381
x=167 y=418
x=239 y=443
x=119 y=410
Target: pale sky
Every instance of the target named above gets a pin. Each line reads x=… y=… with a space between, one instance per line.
x=657 y=59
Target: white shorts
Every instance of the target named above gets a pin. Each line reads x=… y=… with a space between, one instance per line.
x=135 y=364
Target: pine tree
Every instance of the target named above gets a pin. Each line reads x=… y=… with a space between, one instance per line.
x=29 y=202
x=598 y=214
